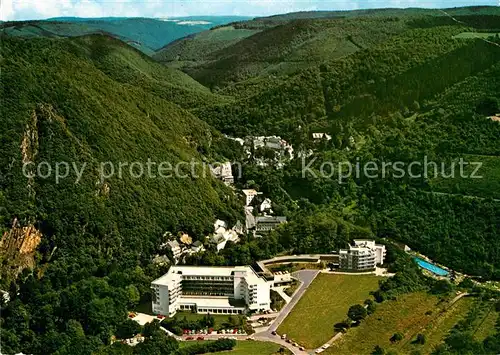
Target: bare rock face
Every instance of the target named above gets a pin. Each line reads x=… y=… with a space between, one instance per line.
x=29 y=148
x=18 y=247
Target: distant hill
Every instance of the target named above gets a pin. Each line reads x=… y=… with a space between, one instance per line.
x=129 y=66
x=145 y=34
x=283 y=44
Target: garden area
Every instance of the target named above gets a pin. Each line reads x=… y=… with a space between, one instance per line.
x=187 y=323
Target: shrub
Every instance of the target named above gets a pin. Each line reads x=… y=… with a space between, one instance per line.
x=420 y=339
x=396 y=337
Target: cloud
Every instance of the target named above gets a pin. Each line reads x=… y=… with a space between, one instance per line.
x=41 y=9
x=6 y=10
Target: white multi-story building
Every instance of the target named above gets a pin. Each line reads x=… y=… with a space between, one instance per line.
x=363 y=256
x=214 y=290
x=223 y=172
x=249 y=195
x=174 y=247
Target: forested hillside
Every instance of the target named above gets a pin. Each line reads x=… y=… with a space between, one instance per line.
x=386 y=85
x=97 y=234
x=418 y=93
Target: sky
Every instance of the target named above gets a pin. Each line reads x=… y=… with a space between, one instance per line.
x=42 y=9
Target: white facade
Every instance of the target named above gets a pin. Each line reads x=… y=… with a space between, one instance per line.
x=174 y=246
x=379 y=249
x=249 y=195
x=282 y=277
x=224 y=172
x=321 y=136
x=363 y=256
x=223 y=235
x=214 y=290
x=266 y=205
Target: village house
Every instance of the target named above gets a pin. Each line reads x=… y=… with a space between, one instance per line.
x=222 y=235
x=197 y=247
x=219 y=224
x=174 y=247
x=318 y=136
x=239 y=228
x=249 y=195
x=249 y=218
x=4 y=297
x=268 y=223
x=218 y=241
x=223 y=172
x=266 y=205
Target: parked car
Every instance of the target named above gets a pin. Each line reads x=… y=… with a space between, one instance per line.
x=200 y=338
x=302 y=348
x=273 y=332
x=283 y=336
x=189 y=338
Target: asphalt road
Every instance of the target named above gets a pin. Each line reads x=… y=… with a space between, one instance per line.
x=306 y=277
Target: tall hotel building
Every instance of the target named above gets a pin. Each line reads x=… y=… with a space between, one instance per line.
x=365 y=255
x=214 y=290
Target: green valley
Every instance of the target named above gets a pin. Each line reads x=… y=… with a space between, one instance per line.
x=130 y=145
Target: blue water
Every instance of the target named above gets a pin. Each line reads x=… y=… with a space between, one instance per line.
x=431 y=267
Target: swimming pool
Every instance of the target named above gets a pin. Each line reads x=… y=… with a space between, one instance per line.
x=431 y=267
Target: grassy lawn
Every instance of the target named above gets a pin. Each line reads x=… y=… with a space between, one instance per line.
x=325 y=303
x=253 y=348
x=406 y=315
x=438 y=329
x=246 y=348
x=487 y=325
x=475 y=35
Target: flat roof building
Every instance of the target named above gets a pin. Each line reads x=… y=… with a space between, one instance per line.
x=214 y=290
x=268 y=223
x=364 y=255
